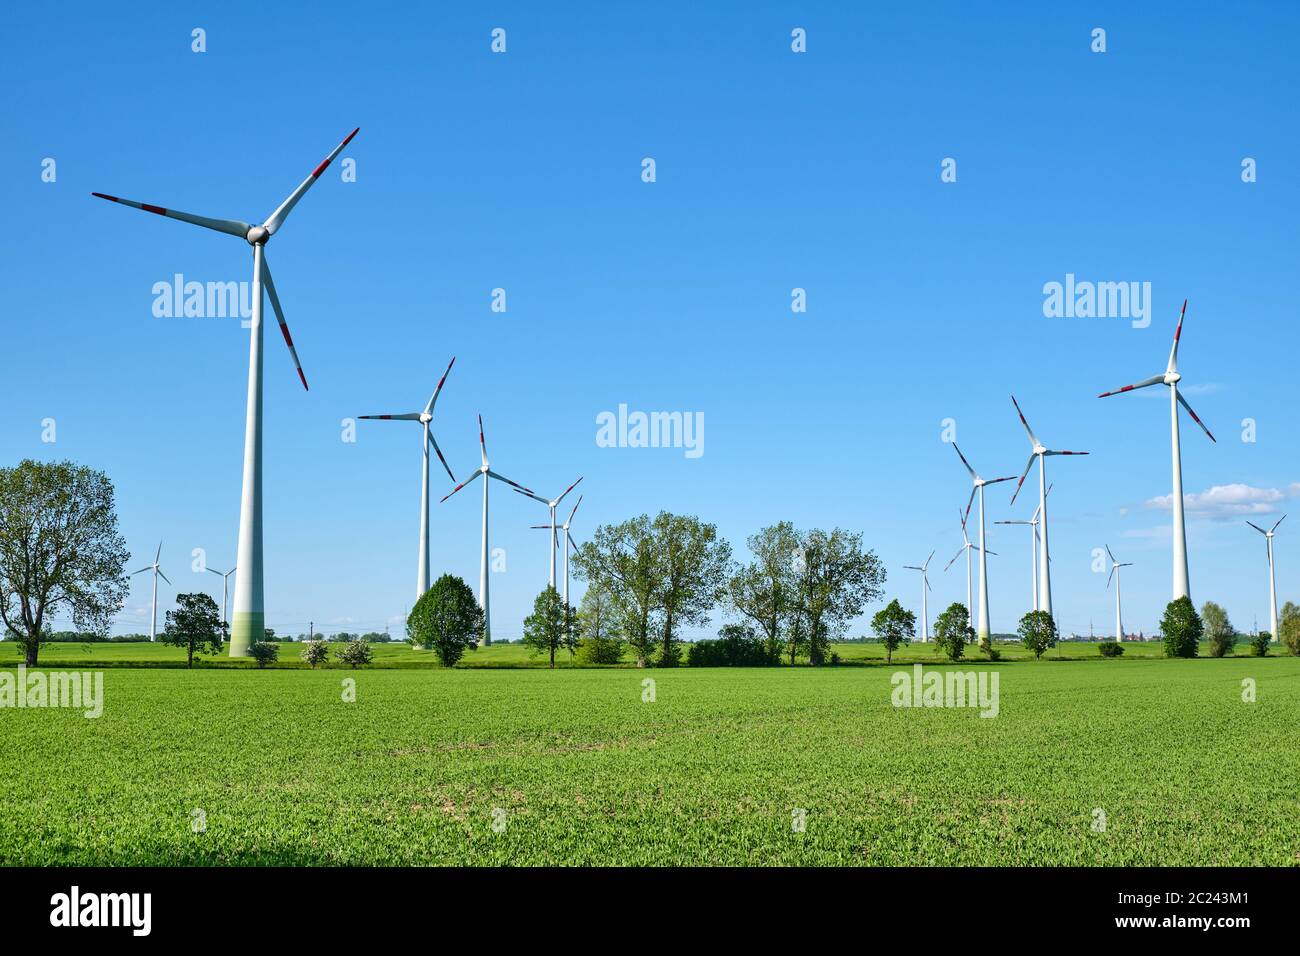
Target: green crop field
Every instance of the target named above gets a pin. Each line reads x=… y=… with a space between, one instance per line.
x=530 y=766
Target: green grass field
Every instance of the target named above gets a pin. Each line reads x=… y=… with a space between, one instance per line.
x=581 y=771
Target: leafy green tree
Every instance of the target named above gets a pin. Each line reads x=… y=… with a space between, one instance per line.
x=1288 y=627
x=1259 y=644
x=1037 y=632
x=1218 y=629
x=952 y=631
x=264 y=652
x=621 y=560
x=356 y=653
x=766 y=590
x=598 y=640
x=1182 y=628
x=836 y=578
x=315 y=653
x=195 y=625
x=894 y=626
x=692 y=575
x=446 y=619
x=547 y=629
x=60 y=550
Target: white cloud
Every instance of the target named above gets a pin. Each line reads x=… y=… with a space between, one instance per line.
x=1228 y=501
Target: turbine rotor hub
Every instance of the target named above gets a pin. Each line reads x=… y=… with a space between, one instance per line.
x=1172 y=378
x=257 y=235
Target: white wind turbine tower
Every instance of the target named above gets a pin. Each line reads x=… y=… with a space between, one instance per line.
x=157 y=571
x=977 y=484
x=551 y=504
x=568 y=542
x=225 y=589
x=1171 y=378
x=1114 y=572
x=1272 y=579
x=925 y=608
x=1042 y=453
x=486 y=473
x=250 y=605
x=424 y=418
x=1033 y=550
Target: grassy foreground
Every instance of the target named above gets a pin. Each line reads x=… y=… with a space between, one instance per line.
x=575 y=768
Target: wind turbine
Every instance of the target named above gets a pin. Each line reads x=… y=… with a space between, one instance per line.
x=153 y=621
x=977 y=484
x=1033 y=549
x=487 y=473
x=1272 y=579
x=965 y=549
x=1114 y=572
x=925 y=609
x=250 y=605
x=551 y=504
x=1044 y=600
x=424 y=418
x=1172 y=378
x=225 y=581
x=568 y=541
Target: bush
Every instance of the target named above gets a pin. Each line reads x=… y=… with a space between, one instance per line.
x=736 y=646
x=600 y=650
x=1218 y=629
x=356 y=653
x=1259 y=644
x=1182 y=628
x=315 y=652
x=1288 y=627
x=264 y=652
x=1111 y=649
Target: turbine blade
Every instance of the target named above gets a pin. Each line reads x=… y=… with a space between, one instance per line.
x=460 y=486
x=445 y=466
x=1029 y=464
x=279 y=315
x=544 y=527
x=518 y=487
x=911 y=567
x=994 y=481
x=987 y=551
x=404 y=417
x=1153 y=380
x=570 y=539
x=434 y=398
x=163 y=576
x=159 y=554
x=1178 y=333
x=969 y=501
x=579 y=501
x=1109 y=576
x=967 y=464
x=1196 y=418
x=1033 y=440
x=927 y=583
x=1279 y=521
x=1068 y=453
x=955 y=557
x=567 y=490
x=216 y=572
x=231 y=227
x=482 y=445
x=142 y=570
x=1110 y=554
x=278 y=217
x=1257 y=527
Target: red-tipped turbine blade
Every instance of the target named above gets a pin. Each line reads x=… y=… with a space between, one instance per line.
x=279 y=314
x=458 y=487
x=1196 y=418
x=232 y=227
x=278 y=217
x=1029 y=464
x=1153 y=380
x=446 y=467
x=428 y=408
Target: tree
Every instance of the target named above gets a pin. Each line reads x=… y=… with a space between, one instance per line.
x=692 y=575
x=315 y=652
x=1218 y=629
x=356 y=653
x=952 y=630
x=1182 y=628
x=264 y=652
x=836 y=580
x=548 y=629
x=598 y=640
x=1288 y=627
x=738 y=645
x=1259 y=644
x=620 y=559
x=195 y=625
x=60 y=550
x=446 y=619
x=1037 y=632
x=894 y=626
x=766 y=589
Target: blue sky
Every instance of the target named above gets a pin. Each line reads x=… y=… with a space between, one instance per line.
x=775 y=170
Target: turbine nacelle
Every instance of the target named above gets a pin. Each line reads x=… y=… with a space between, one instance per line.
x=257 y=235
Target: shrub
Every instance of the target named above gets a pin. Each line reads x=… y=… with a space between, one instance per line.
x=315 y=652
x=1218 y=629
x=736 y=646
x=600 y=650
x=1288 y=627
x=356 y=653
x=1259 y=644
x=1111 y=649
x=264 y=652
x=1182 y=628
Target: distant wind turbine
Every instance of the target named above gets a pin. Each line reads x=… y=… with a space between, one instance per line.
x=424 y=418
x=925 y=607
x=486 y=473
x=568 y=542
x=551 y=504
x=966 y=549
x=225 y=581
x=977 y=484
x=1114 y=572
x=157 y=572
x=1272 y=578
x=1171 y=378
x=1033 y=549
x=250 y=604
